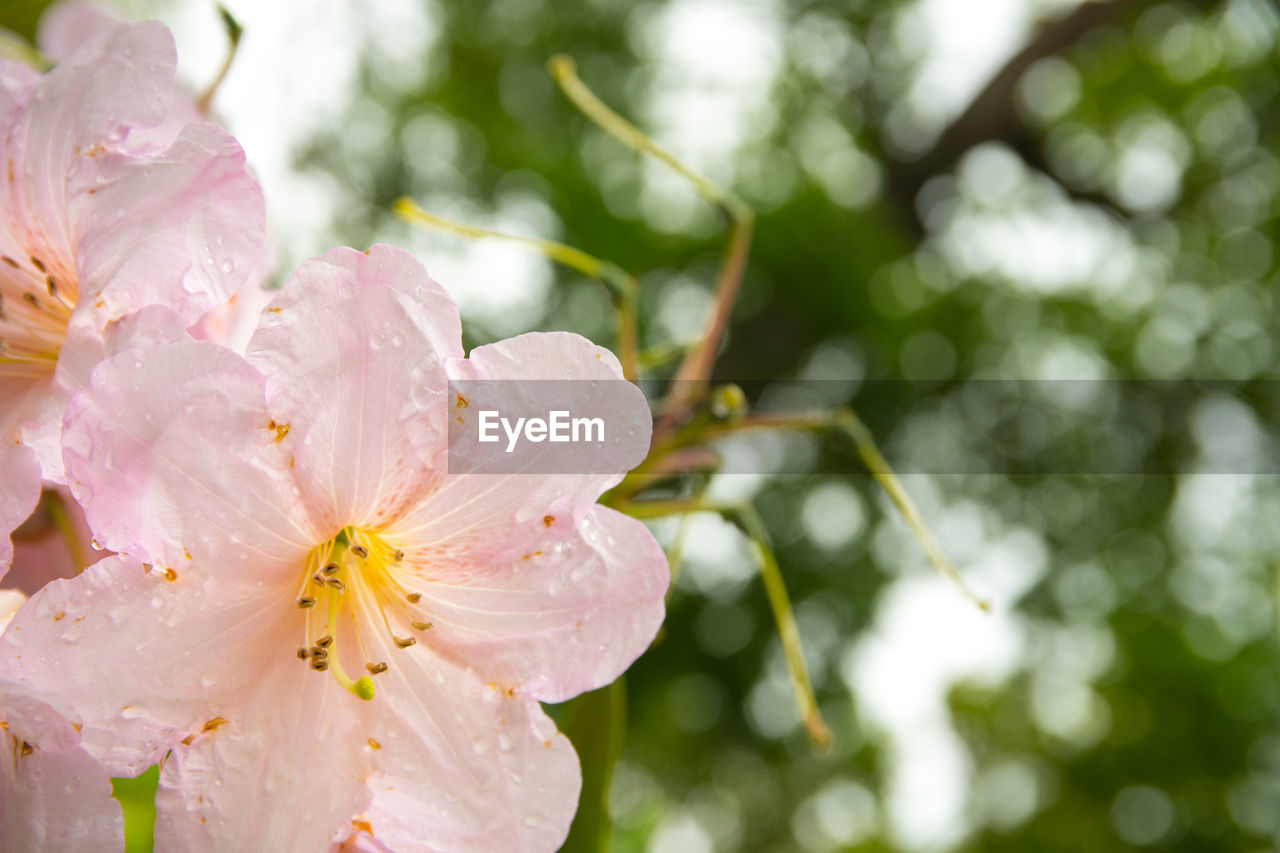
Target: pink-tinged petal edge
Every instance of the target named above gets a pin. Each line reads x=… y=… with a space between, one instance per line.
x=145 y=660
x=185 y=228
x=354 y=350
x=57 y=801
x=122 y=77
x=173 y=458
x=568 y=617
x=284 y=774
x=465 y=766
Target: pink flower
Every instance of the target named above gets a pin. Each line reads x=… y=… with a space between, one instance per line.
x=335 y=635
x=95 y=225
x=53 y=796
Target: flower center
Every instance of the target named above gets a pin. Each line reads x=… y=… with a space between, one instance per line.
x=354 y=583
x=35 y=305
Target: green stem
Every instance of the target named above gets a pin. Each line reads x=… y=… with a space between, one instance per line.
x=234 y=31
x=745 y=517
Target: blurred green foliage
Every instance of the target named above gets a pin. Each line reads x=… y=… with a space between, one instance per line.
x=1106 y=208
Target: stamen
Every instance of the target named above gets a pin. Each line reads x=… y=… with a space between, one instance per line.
x=330 y=569
x=413 y=597
x=317 y=580
x=360 y=551
x=399 y=555
x=403 y=642
x=376 y=668
x=320 y=664
x=31 y=299
x=306 y=601
x=38 y=264
x=325 y=641
x=302 y=653
x=336 y=584
x=363 y=688
x=421 y=626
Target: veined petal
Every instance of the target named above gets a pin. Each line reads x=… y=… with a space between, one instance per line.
x=145 y=660
x=174 y=459
x=20 y=474
x=464 y=766
x=182 y=229
x=481 y=511
x=354 y=352
x=283 y=775
x=570 y=616
x=121 y=77
x=56 y=801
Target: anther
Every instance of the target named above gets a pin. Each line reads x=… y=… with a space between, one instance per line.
x=302 y=653
x=317 y=580
x=413 y=597
x=360 y=551
x=399 y=555
x=403 y=642
x=319 y=664
x=51 y=285
x=376 y=668
x=10 y=261
x=336 y=584
x=325 y=642
x=31 y=299
x=306 y=601
x=331 y=569
x=38 y=264
x=317 y=652
x=421 y=626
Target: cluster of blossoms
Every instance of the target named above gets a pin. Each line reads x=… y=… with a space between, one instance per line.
x=323 y=637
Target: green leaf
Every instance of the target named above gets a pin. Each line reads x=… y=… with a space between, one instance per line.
x=596 y=724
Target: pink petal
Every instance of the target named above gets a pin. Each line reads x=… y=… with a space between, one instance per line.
x=17 y=81
x=122 y=77
x=354 y=349
x=283 y=774
x=465 y=766
x=36 y=411
x=57 y=801
x=65 y=26
x=145 y=660
x=502 y=512
x=570 y=618
x=233 y=323
x=183 y=229
x=20 y=474
x=170 y=455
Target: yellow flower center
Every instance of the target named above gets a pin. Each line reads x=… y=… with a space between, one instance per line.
x=35 y=305
x=355 y=581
